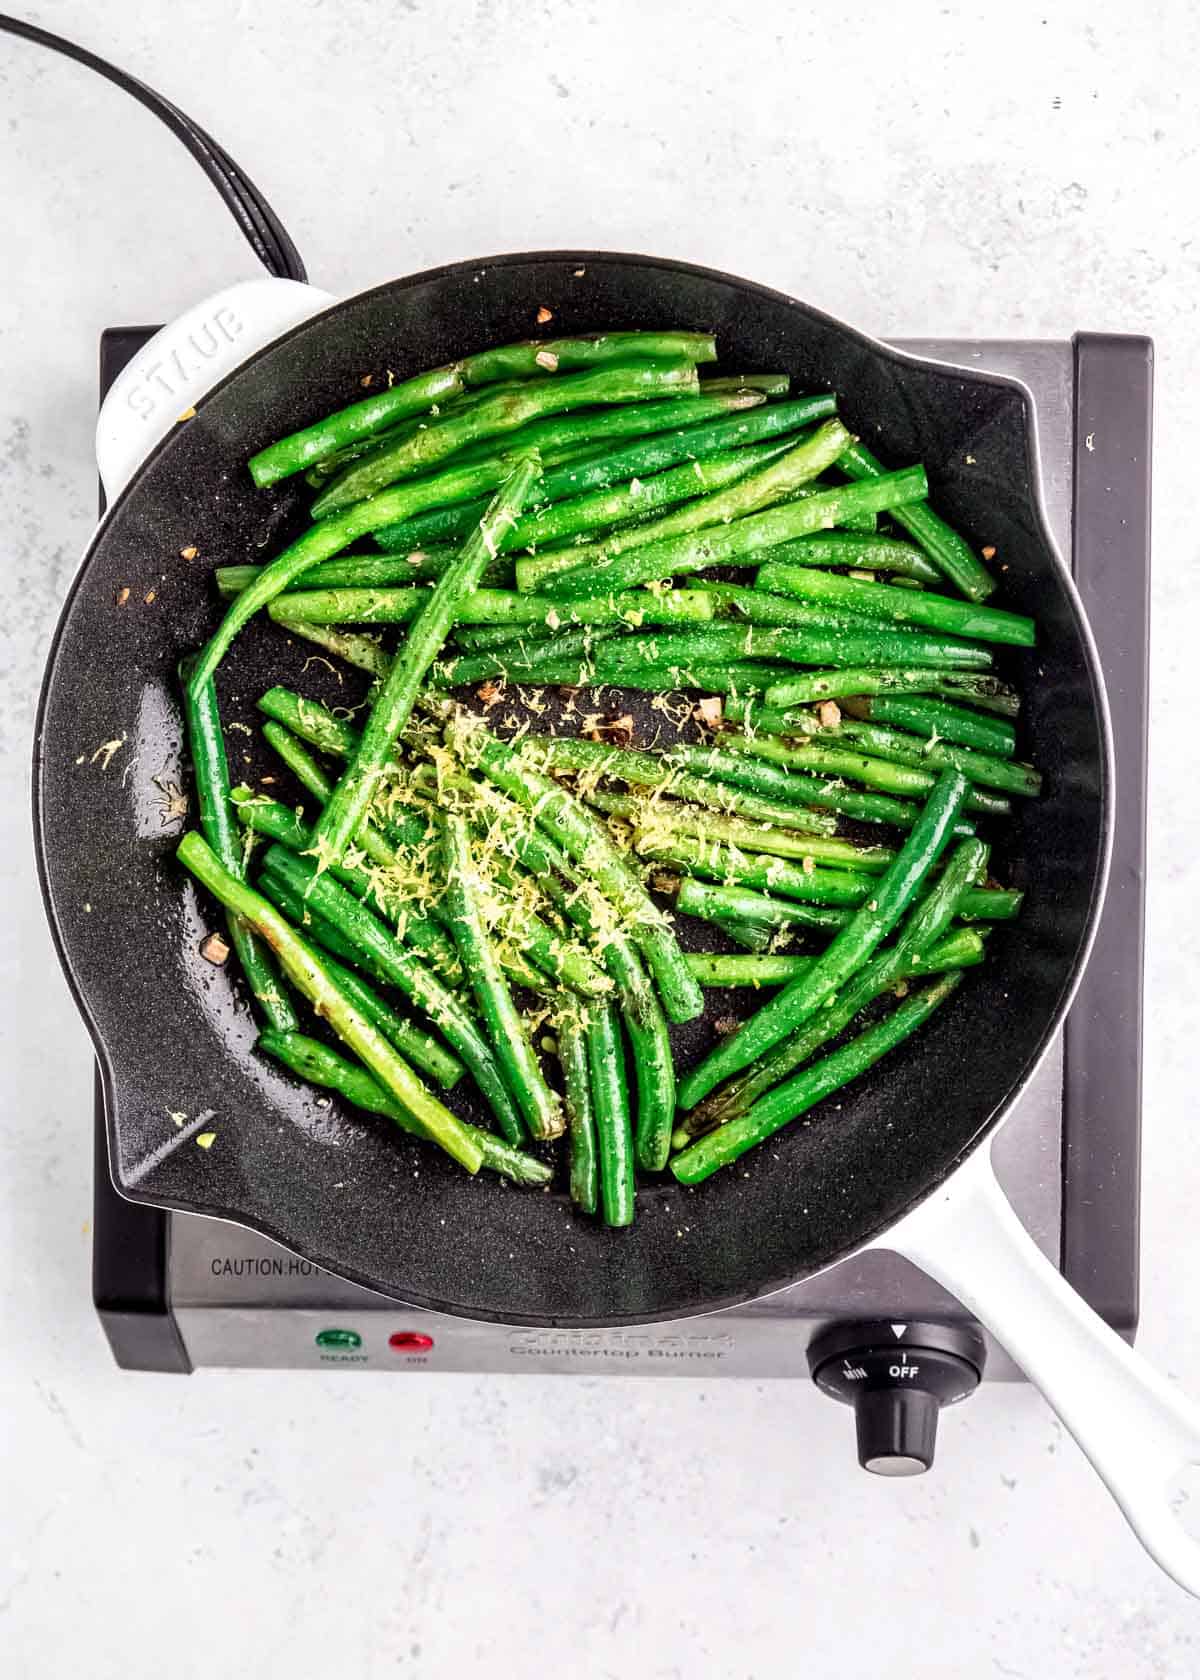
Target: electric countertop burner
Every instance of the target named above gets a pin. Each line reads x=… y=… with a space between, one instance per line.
x=179 y=1291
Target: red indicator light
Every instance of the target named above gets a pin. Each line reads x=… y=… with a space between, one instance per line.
x=410 y=1341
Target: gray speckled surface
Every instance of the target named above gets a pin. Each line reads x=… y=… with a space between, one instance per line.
x=972 y=174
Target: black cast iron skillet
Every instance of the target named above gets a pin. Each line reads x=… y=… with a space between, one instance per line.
x=891 y=1162
x=174 y=1036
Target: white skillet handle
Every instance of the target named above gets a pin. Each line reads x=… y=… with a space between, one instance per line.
x=170 y=374
x=1138 y=1431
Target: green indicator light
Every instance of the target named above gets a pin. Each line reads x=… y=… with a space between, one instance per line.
x=338 y=1339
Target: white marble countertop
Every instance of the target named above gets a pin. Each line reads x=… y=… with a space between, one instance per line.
x=1025 y=170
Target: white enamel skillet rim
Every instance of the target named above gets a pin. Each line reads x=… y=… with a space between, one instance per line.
x=1139 y=1432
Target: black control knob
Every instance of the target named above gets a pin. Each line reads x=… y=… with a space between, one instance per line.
x=897 y=1377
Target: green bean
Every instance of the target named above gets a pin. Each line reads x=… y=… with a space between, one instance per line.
x=436 y=515
x=318 y=476
x=448 y=524
x=852 y=947
x=738 y=904
x=538 y=357
x=653 y=1063
x=303 y=449
x=581 y=1124
x=394 y=702
x=355 y=647
x=898 y=606
x=718 y=861
x=922 y=946
x=744 y=761
x=948 y=551
x=482 y=638
x=982 y=768
x=924 y=717
x=553 y=958
x=978 y=904
x=804 y=687
x=284 y=739
x=891 y=777
x=755 y=606
x=560 y=752
x=525 y=655
x=738 y=541
x=865 y=523
x=582 y=904
x=726 y=971
x=729 y=1142
x=523 y=661
x=210 y=767
x=646 y=456
x=318 y=928
x=424 y=565
x=792 y=470
x=991 y=904
x=555 y=955
x=600 y=667
x=551 y=868
x=312 y=1061
x=373 y=571
x=817 y=632
x=494 y=606
x=722 y=642
x=573 y=437
x=403 y=970
x=493 y=418
x=724 y=802
x=314 y=723
x=411 y=1040
x=452 y=485
x=231 y=580
x=771 y=384
x=522 y=1074
x=754 y=937
x=436 y=561
x=623 y=504
x=660 y=820
x=584 y=839
x=860 y=551
x=620 y=503
x=962 y=948
x=320 y=542
x=268 y=817
x=731 y=906
x=610 y=1105
x=388 y=898
x=758 y=718
x=379 y=837
x=304 y=968
x=936 y=720
x=644 y=1021
x=311 y=721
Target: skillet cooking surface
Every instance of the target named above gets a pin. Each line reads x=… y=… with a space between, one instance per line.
x=174 y=1035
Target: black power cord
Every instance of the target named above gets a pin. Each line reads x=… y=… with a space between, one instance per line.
x=264 y=232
